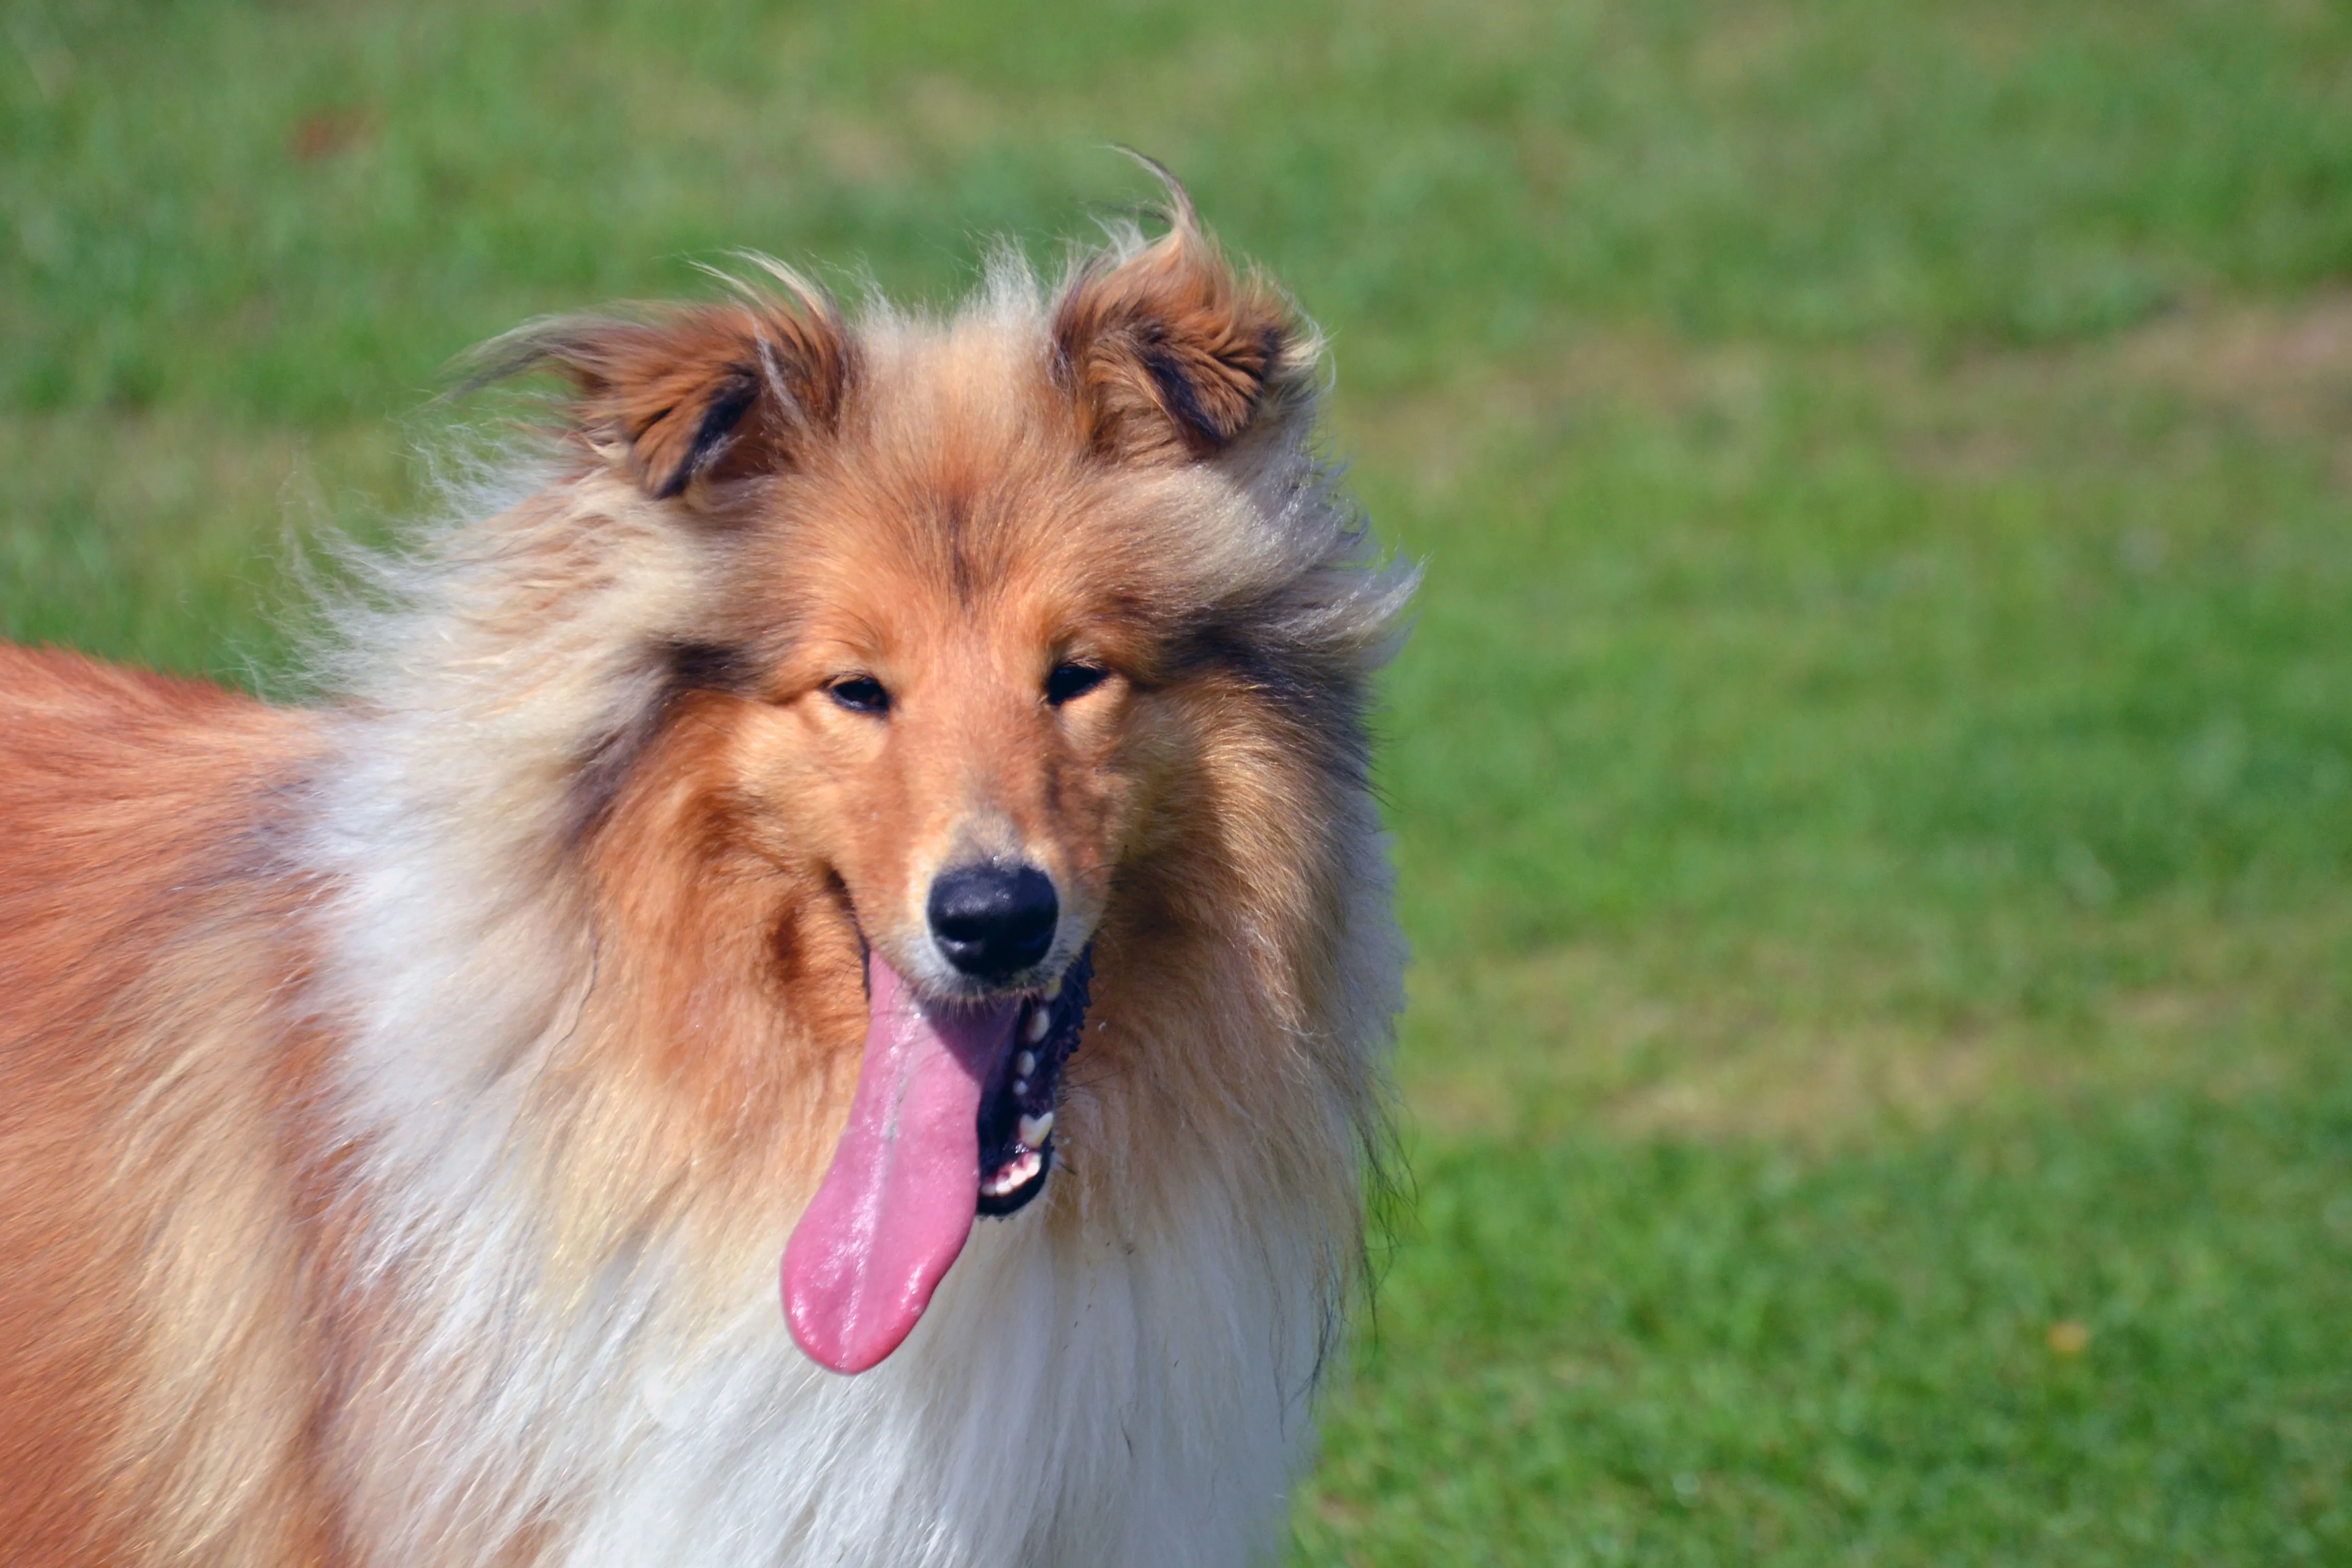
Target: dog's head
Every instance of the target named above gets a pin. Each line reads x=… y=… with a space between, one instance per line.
x=1020 y=656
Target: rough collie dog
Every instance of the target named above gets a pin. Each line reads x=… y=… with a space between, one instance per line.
x=880 y=807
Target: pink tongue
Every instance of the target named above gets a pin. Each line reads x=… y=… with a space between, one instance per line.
x=897 y=1202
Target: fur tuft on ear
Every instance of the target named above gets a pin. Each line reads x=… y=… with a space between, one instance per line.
x=1171 y=355
x=703 y=392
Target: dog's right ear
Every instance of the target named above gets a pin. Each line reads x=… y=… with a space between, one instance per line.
x=704 y=394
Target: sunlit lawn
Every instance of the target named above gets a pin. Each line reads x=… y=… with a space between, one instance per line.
x=1872 y=777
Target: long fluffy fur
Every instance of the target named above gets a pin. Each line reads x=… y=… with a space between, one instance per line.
x=403 y=1102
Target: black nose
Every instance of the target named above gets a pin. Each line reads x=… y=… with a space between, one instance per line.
x=993 y=921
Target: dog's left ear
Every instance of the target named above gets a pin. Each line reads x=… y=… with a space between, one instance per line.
x=710 y=393
x=1170 y=354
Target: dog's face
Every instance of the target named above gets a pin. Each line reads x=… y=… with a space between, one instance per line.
x=959 y=725
x=964 y=669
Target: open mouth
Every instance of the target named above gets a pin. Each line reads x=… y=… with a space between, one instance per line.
x=953 y=1118
x=1016 y=1104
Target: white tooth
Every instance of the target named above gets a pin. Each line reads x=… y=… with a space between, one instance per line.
x=1020 y=1168
x=1020 y=1088
x=1026 y=1063
x=1035 y=1129
x=1039 y=1022
x=1052 y=988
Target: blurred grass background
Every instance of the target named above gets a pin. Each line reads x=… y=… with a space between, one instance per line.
x=1873 y=779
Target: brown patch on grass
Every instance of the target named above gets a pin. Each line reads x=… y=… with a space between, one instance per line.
x=2290 y=360
x=1794 y=1083
x=2283 y=371
x=328 y=133
x=1825 y=1045
x=1432 y=439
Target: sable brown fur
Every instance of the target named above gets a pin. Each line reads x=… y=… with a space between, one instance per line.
x=403 y=1103
x=143 y=915
x=713 y=391
x=1174 y=354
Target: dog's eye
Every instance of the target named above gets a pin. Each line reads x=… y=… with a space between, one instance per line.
x=860 y=694
x=1070 y=681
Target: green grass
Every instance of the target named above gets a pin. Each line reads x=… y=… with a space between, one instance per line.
x=2083 y=1338
x=1872 y=777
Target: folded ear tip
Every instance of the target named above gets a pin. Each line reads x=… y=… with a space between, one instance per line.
x=1170 y=350
x=676 y=395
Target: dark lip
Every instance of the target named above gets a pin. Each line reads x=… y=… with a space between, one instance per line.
x=1001 y=1109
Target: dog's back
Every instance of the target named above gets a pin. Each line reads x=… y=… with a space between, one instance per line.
x=129 y=808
